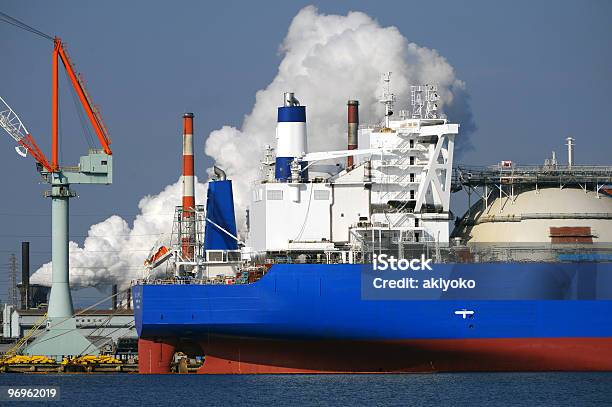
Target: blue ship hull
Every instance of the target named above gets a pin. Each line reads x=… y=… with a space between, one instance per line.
x=327 y=318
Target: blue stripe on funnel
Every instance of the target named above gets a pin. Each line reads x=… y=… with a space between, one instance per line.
x=292 y=114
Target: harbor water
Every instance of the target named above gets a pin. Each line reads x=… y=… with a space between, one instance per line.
x=461 y=389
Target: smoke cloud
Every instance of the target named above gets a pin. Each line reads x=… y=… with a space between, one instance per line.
x=326 y=60
x=113 y=252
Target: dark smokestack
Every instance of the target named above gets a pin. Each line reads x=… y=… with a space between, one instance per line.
x=129 y=298
x=353 y=126
x=25 y=275
x=114 y=297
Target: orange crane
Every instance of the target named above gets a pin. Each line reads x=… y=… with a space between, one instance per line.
x=93 y=113
x=61 y=336
x=13 y=125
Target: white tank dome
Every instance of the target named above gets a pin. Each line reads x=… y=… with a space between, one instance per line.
x=531 y=215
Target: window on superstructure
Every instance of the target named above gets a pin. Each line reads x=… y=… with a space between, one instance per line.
x=321 y=195
x=274 y=195
x=411 y=143
x=412 y=177
x=416 y=222
x=412 y=194
x=411 y=160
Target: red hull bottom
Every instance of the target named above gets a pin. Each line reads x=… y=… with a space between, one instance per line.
x=154 y=357
x=251 y=356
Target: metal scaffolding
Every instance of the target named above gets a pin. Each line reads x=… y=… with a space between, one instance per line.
x=506 y=180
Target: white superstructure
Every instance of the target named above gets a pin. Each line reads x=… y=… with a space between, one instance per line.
x=397 y=191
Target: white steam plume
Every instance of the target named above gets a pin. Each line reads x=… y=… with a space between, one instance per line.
x=113 y=253
x=328 y=59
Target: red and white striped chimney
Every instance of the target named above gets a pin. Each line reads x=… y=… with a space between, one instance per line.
x=188 y=232
x=353 y=126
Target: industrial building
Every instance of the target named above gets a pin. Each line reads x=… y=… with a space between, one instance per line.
x=111 y=331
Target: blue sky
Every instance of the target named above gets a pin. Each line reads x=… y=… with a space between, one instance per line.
x=536 y=73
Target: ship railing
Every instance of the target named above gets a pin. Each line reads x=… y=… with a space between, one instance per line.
x=457 y=252
x=535 y=168
x=187 y=281
x=532 y=173
x=439 y=252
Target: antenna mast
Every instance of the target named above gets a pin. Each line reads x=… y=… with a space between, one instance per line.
x=387 y=97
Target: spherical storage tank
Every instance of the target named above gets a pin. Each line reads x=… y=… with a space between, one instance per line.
x=544 y=216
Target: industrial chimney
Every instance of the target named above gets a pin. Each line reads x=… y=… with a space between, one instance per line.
x=188 y=221
x=570 y=152
x=25 y=275
x=353 y=126
x=114 y=301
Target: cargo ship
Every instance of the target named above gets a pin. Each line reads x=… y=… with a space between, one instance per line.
x=521 y=282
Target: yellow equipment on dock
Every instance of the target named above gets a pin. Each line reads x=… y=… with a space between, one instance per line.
x=26 y=360
x=91 y=360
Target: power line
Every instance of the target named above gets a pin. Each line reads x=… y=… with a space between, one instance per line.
x=96 y=236
x=20 y=24
x=90 y=267
x=46 y=252
x=104 y=267
x=85 y=214
x=86 y=129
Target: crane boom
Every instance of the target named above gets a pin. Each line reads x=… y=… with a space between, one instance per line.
x=13 y=125
x=60 y=53
x=11 y=122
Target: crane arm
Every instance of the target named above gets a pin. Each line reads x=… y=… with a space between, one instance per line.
x=92 y=111
x=11 y=122
x=13 y=125
x=331 y=155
